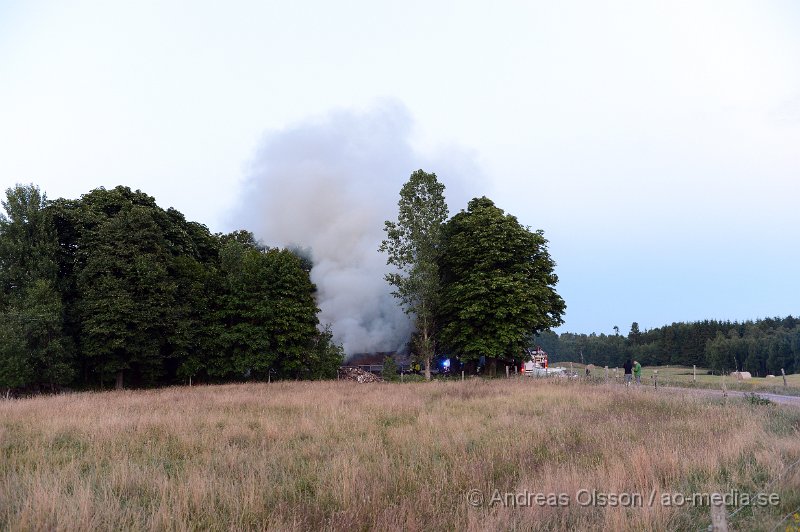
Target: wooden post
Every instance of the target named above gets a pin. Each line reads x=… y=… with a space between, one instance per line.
x=190 y=380
x=506 y=372
x=402 y=375
x=783 y=373
x=462 y=375
x=694 y=372
x=655 y=378
x=719 y=516
x=724 y=389
x=606 y=374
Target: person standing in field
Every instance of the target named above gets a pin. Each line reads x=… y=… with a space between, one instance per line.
x=628 y=367
x=637 y=371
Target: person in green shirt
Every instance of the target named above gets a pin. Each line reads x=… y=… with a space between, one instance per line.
x=637 y=371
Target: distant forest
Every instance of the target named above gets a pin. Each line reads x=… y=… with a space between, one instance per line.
x=761 y=347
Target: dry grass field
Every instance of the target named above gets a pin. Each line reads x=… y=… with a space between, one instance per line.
x=339 y=455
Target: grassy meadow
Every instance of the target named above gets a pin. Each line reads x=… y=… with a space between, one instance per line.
x=683 y=376
x=341 y=455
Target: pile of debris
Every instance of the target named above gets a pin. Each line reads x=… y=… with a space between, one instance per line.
x=349 y=373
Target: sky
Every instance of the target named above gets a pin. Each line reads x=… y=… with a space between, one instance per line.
x=657 y=144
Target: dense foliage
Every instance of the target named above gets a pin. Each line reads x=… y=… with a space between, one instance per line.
x=111 y=286
x=32 y=345
x=498 y=285
x=761 y=347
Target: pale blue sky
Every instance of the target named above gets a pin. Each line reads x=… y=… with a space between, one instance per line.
x=656 y=143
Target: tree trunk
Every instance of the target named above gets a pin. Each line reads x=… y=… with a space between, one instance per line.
x=471 y=367
x=119 y=380
x=492 y=367
x=426 y=347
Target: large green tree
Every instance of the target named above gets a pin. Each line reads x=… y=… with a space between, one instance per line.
x=412 y=244
x=268 y=315
x=192 y=339
x=141 y=285
x=127 y=296
x=33 y=349
x=498 y=284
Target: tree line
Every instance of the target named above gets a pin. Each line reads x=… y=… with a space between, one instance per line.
x=761 y=347
x=112 y=289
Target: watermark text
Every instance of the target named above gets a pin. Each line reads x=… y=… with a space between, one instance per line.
x=611 y=499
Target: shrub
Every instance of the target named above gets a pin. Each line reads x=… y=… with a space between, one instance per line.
x=389 y=372
x=755 y=399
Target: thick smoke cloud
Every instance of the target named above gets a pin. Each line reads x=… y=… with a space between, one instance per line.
x=328 y=185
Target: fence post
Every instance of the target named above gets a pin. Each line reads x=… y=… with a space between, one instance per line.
x=506 y=372
x=724 y=389
x=462 y=375
x=783 y=373
x=655 y=378
x=606 y=374
x=719 y=517
x=694 y=372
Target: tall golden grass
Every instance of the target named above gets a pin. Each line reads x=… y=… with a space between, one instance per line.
x=339 y=455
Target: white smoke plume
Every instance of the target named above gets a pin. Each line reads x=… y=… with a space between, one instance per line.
x=328 y=185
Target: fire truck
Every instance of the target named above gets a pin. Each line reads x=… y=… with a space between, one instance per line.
x=535 y=363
